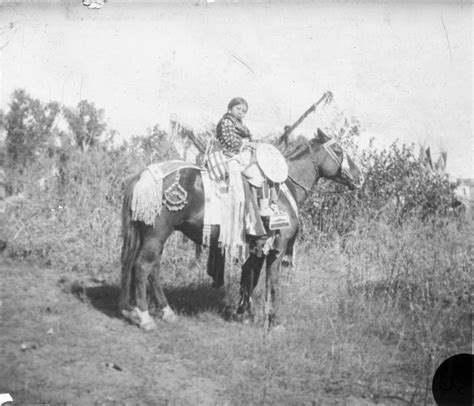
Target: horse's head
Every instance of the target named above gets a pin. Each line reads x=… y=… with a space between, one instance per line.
x=332 y=161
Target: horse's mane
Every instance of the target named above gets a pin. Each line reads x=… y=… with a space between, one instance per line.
x=294 y=149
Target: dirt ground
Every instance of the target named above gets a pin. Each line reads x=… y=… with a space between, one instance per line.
x=63 y=343
x=59 y=349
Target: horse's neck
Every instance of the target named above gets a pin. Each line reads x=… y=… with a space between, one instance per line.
x=302 y=171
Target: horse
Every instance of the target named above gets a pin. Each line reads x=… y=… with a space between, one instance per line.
x=319 y=157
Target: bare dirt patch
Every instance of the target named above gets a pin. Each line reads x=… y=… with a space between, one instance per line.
x=59 y=349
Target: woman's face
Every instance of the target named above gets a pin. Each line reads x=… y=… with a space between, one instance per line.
x=239 y=110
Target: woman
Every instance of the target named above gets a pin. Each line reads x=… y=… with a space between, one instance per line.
x=241 y=213
x=231 y=132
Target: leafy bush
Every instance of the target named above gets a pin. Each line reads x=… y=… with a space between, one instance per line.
x=399 y=186
x=28 y=124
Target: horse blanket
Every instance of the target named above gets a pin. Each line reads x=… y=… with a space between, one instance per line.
x=147 y=202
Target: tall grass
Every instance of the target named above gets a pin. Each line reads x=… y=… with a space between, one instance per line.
x=72 y=222
x=370 y=315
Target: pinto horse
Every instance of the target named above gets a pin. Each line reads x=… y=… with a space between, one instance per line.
x=143 y=245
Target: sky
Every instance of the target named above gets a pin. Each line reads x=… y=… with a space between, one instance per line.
x=403 y=70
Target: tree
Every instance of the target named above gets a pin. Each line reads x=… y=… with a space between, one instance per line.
x=155 y=146
x=87 y=124
x=28 y=124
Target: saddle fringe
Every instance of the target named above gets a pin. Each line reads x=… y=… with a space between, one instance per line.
x=147 y=197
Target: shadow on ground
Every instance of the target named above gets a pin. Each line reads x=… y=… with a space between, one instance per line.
x=104 y=298
x=192 y=300
x=186 y=300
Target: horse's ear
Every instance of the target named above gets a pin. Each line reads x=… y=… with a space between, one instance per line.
x=320 y=135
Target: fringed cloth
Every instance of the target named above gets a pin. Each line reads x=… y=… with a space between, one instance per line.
x=148 y=195
x=148 y=191
x=232 y=231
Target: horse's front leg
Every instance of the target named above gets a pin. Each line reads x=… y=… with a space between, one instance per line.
x=273 y=270
x=168 y=314
x=216 y=262
x=248 y=281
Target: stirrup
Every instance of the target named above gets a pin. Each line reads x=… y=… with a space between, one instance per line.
x=279 y=220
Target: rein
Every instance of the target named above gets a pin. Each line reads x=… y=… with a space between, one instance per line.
x=306 y=189
x=310 y=191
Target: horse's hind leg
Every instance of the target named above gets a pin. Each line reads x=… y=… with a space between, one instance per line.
x=140 y=314
x=159 y=295
x=168 y=314
x=148 y=268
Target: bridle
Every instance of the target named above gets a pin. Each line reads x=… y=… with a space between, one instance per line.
x=342 y=163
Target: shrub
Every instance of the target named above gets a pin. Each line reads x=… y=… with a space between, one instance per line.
x=398 y=186
x=28 y=124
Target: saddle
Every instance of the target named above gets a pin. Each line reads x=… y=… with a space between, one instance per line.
x=263 y=170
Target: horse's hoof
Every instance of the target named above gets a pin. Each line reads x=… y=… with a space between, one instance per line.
x=236 y=317
x=148 y=325
x=243 y=317
x=140 y=318
x=132 y=316
x=169 y=315
x=126 y=314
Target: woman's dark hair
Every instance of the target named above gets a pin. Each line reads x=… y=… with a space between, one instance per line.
x=237 y=100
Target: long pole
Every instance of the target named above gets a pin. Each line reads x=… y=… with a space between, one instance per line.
x=326 y=98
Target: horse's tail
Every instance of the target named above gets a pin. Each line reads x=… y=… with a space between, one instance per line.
x=132 y=235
